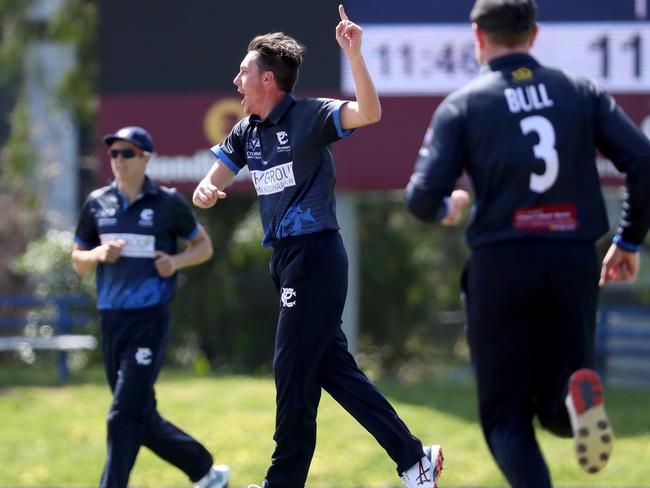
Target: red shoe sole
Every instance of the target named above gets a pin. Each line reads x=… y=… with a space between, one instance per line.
x=586 y=390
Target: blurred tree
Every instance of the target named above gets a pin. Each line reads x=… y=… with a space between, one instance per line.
x=410 y=293
x=17 y=224
x=226 y=308
x=410 y=288
x=14 y=34
x=77 y=23
x=18 y=185
x=46 y=263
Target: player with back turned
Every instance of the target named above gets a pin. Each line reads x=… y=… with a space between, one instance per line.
x=527 y=136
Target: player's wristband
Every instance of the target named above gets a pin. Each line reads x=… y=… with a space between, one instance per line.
x=626 y=246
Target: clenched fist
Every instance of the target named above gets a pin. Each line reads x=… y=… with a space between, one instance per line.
x=206 y=195
x=110 y=251
x=165 y=264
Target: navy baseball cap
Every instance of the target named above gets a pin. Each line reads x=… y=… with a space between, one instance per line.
x=506 y=17
x=133 y=134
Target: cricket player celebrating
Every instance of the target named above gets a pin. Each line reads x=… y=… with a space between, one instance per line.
x=285 y=144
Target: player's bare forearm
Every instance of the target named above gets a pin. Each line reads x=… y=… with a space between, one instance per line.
x=198 y=251
x=210 y=188
x=366 y=109
x=83 y=261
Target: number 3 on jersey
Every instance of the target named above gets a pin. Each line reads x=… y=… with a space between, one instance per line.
x=544 y=149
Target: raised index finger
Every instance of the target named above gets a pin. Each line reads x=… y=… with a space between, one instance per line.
x=342 y=13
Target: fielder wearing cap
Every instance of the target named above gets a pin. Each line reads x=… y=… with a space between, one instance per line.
x=127 y=233
x=133 y=134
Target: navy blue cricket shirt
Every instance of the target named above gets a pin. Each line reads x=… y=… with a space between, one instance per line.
x=152 y=222
x=290 y=163
x=527 y=136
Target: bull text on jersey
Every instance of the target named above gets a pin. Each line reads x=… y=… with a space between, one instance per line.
x=527 y=98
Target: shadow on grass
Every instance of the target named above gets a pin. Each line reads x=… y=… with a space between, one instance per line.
x=627 y=407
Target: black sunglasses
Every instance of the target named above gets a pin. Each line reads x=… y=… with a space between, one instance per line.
x=126 y=153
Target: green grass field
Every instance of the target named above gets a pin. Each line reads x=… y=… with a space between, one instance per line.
x=54 y=436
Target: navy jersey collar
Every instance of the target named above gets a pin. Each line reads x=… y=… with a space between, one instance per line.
x=148 y=187
x=277 y=113
x=510 y=60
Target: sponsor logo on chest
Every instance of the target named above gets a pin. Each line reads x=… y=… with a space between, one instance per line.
x=273 y=180
x=106 y=216
x=135 y=245
x=253 y=148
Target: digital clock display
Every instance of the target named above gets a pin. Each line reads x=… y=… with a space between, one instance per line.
x=435 y=59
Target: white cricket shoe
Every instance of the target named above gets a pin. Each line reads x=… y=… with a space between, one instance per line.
x=425 y=473
x=592 y=432
x=217 y=477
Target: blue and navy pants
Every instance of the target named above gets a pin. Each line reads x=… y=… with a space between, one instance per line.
x=310 y=273
x=531 y=315
x=133 y=345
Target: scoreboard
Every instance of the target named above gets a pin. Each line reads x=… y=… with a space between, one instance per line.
x=438 y=58
x=428 y=47
x=421 y=51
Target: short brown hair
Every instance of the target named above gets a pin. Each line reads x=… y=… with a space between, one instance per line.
x=280 y=54
x=509 y=40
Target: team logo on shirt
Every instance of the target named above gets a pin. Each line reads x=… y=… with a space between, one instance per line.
x=286 y=295
x=283 y=137
x=253 y=148
x=522 y=74
x=143 y=356
x=273 y=180
x=146 y=218
x=106 y=216
x=106 y=212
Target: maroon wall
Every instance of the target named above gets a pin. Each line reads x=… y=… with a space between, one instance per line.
x=376 y=157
